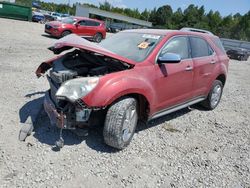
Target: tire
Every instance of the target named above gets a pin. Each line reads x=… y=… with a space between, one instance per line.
x=98 y=37
x=214 y=96
x=246 y=58
x=120 y=123
x=241 y=58
x=65 y=33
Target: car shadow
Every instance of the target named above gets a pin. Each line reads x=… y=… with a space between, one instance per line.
x=43 y=131
x=49 y=36
x=162 y=119
x=47 y=134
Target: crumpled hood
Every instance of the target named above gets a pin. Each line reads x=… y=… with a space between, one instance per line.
x=74 y=41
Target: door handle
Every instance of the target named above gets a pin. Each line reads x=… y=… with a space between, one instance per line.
x=213 y=62
x=189 y=68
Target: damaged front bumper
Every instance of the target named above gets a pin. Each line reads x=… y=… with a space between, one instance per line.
x=57 y=119
x=64 y=120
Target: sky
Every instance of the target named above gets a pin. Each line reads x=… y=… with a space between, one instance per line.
x=225 y=7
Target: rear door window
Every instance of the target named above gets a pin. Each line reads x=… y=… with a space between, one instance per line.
x=219 y=44
x=200 y=47
x=92 y=23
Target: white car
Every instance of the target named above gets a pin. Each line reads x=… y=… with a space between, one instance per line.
x=59 y=16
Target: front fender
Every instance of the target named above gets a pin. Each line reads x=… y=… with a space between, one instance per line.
x=43 y=67
x=108 y=91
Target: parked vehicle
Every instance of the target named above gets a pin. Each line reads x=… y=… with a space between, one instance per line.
x=238 y=54
x=48 y=18
x=85 y=27
x=135 y=75
x=41 y=17
x=38 y=17
x=58 y=16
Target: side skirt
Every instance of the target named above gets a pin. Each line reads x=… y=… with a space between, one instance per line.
x=176 y=108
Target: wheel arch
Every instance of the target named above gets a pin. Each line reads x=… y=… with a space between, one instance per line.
x=143 y=104
x=98 y=32
x=66 y=30
x=222 y=78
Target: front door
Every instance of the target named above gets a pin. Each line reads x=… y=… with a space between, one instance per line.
x=173 y=82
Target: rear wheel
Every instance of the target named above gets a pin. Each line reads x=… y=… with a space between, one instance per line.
x=65 y=33
x=120 y=123
x=98 y=37
x=214 y=96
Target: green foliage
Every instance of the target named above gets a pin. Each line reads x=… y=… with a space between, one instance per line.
x=24 y=2
x=235 y=27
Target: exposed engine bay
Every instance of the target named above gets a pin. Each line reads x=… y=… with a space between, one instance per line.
x=75 y=65
x=79 y=63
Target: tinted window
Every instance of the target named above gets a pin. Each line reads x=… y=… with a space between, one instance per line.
x=200 y=47
x=177 y=45
x=92 y=23
x=82 y=22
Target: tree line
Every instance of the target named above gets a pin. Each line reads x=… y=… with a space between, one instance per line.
x=235 y=26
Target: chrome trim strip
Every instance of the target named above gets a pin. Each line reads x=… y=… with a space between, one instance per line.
x=177 y=107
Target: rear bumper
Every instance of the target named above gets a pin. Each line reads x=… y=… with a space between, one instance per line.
x=57 y=119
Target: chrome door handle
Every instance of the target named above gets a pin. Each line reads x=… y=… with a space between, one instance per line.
x=213 y=62
x=189 y=68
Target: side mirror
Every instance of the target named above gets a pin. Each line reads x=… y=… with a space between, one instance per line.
x=169 y=58
x=76 y=24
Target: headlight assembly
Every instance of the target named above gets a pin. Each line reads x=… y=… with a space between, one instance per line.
x=76 y=88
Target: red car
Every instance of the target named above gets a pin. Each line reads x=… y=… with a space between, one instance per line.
x=85 y=27
x=135 y=75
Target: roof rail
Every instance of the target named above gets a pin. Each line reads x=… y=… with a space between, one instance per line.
x=196 y=30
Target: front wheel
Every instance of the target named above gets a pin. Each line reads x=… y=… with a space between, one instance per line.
x=214 y=96
x=65 y=33
x=120 y=123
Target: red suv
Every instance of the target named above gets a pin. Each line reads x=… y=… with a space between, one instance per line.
x=133 y=76
x=85 y=27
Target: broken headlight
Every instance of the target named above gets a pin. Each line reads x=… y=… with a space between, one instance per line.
x=76 y=88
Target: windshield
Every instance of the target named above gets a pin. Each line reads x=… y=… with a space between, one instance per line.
x=134 y=46
x=68 y=20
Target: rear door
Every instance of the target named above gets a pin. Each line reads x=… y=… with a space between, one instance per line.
x=173 y=82
x=93 y=27
x=204 y=61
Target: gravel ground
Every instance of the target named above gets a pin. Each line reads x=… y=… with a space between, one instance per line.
x=190 y=148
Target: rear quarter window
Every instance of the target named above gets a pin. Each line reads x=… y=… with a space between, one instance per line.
x=218 y=43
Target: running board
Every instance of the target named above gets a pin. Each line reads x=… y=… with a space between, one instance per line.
x=176 y=108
